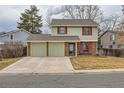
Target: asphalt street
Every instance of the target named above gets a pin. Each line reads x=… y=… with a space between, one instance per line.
x=95 y=80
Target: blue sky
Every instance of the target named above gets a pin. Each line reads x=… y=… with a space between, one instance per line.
x=9 y=14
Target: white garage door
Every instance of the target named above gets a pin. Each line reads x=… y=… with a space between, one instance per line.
x=56 y=49
x=38 y=49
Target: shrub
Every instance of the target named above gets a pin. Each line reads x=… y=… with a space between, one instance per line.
x=0 y=55
x=12 y=49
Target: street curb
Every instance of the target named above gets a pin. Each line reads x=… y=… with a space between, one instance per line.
x=69 y=73
x=98 y=71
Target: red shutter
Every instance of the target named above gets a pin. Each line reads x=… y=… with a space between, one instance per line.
x=83 y=32
x=66 y=30
x=90 y=30
x=58 y=30
x=81 y=48
x=78 y=47
x=90 y=47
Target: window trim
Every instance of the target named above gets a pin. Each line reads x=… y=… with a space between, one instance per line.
x=65 y=30
x=84 y=31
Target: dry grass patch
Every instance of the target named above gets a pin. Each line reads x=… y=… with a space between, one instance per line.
x=7 y=61
x=96 y=62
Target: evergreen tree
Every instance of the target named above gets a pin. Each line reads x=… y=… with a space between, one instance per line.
x=30 y=20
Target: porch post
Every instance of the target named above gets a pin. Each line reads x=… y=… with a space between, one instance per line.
x=75 y=48
x=28 y=48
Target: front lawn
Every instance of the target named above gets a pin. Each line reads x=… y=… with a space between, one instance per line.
x=96 y=62
x=7 y=61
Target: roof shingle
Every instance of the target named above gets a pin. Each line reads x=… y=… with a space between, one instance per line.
x=73 y=22
x=48 y=37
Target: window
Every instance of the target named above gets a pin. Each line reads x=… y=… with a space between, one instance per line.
x=112 y=37
x=11 y=36
x=110 y=46
x=62 y=30
x=87 y=30
x=101 y=46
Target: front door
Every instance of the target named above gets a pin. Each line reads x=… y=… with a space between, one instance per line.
x=71 y=49
x=85 y=48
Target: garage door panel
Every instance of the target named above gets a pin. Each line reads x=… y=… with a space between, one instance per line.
x=56 y=49
x=38 y=49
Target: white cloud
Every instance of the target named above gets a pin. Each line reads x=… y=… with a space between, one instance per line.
x=111 y=9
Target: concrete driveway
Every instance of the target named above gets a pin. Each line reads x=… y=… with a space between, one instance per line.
x=40 y=65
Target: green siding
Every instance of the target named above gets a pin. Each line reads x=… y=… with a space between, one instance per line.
x=54 y=30
x=56 y=49
x=38 y=49
x=78 y=31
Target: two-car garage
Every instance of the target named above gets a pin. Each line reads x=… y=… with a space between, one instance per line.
x=43 y=49
x=43 y=45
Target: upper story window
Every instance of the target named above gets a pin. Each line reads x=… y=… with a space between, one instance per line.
x=11 y=37
x=86 y=30
x=62 y=30
x=112 y=37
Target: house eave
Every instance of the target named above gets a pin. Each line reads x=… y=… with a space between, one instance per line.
x=76 y=25
x=89 y=40
x=54 y=41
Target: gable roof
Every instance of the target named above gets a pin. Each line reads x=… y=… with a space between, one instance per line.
x=48 y=37
x=14 y=31
x=73 y=22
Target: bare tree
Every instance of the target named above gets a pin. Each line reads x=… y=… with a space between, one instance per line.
x=122 y=8
x=120 y=26
x=110 y=23
x=83 y=12
x=93 y=12
x=76 y=12
x=53 y=10
x=68 y=11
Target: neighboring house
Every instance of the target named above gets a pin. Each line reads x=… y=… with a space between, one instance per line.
x=108 y=40
x=112 y=42
x=70 y=37
x=12 y=36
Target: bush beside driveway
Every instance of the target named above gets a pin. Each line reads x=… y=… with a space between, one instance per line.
x=87 y=62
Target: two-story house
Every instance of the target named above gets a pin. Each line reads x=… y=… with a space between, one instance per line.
x=112 y=42
x=70 y=37
x=108 y=40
